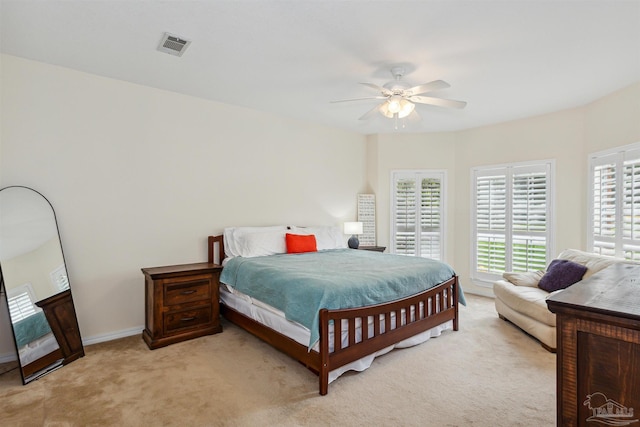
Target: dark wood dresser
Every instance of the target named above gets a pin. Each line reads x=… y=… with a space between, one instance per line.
x=61 y=315
x=598 y=358
x=181 y=302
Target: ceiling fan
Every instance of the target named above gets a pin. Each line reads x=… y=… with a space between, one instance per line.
x=400 y=98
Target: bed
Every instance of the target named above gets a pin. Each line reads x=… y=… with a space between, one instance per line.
x=329 y=335
x=34 y=338
x=37 y=346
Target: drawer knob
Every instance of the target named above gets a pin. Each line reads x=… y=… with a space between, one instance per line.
x=188 y=292
x=188 y=319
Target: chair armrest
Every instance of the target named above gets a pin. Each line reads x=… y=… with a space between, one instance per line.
x=528 y=278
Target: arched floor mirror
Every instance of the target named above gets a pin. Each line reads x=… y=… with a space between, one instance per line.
x=34 y=280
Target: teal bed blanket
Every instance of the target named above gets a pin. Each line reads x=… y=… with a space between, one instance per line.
x=31 y=328
x=301 y=284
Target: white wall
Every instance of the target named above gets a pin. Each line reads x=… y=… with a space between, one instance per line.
x=556 y=136
x=613 y=120
x=566 y=136
x=139 y=177
x=409 y=152
x=34 y=267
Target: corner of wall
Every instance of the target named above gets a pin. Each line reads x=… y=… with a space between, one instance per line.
x=371 y=150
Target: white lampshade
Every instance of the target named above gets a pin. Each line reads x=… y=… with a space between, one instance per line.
x=352 y=228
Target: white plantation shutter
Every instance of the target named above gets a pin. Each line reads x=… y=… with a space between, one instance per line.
x=512 y=225
x=430 y=217
x=529 y=216
x=490 y=223
x=631 y=208
x=20 y=301
x=615 y=202
x=417 y=215
x=405 y=216
x=604 y=209
x=60 y=279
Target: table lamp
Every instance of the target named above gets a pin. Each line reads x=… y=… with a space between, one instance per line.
x=353 y=228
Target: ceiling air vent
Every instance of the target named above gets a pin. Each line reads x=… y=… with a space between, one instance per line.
x=173 y=45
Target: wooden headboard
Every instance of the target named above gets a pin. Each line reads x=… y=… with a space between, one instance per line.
x=213 y=243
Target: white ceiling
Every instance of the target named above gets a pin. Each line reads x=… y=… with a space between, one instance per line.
x=507 y=59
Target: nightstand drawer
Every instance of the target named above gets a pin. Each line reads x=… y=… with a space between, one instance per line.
x=181 y=303
x=177 y=321
x=187 y=290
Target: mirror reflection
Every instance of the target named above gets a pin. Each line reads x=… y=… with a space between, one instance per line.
x=35 y=283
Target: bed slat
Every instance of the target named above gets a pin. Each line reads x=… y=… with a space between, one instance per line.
x=404 y=326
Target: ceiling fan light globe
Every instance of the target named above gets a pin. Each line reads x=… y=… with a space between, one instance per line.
x=384 y=110
x=395 y=104
x=397 y=107
x=407 y=108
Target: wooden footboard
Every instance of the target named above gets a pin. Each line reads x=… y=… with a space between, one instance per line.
x=413 y=315
x=392 y=322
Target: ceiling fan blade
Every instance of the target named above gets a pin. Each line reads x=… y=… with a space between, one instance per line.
x=359 y=99
x=427 y=87
x=370 y=113
x=382 y=90
x=438 y=101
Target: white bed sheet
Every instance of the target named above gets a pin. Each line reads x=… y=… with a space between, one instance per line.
x=275 y=319
x=37 y=348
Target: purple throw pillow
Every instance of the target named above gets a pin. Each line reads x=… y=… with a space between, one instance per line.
x=561 y=274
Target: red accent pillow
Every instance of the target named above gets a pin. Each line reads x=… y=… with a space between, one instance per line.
x=298 y=243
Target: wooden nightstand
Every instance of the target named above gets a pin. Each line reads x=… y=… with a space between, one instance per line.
x=181 y=302
x=373 y=248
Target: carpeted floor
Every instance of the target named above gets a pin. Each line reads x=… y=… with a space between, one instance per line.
x=487 y=374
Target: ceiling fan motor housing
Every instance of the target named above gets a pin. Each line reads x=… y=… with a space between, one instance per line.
x=398 y=85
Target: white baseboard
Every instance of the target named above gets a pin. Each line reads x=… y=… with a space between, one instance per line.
x=10 y=357
x=481 y=292
x=113 y=335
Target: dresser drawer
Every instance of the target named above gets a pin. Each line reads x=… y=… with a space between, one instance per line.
x=177 y=321
x=187 y=290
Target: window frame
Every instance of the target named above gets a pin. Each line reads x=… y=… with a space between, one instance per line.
x=616 y=156
x=419 y=174
x=485 y=279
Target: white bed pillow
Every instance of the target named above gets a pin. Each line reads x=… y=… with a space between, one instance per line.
x=261 y=244
x=229 y=247
x=327 y=237
x=234 y=235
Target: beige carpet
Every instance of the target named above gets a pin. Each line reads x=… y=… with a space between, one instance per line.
x=487 y=374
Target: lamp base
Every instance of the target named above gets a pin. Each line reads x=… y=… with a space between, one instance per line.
x=353 y=242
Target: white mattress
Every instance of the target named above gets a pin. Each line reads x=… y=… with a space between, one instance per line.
x=275 y=319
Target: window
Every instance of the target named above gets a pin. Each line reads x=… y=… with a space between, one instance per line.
x=60 y=279
x=417 y=217
x=511 y=218
x=614 y=202
x=20 y=301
